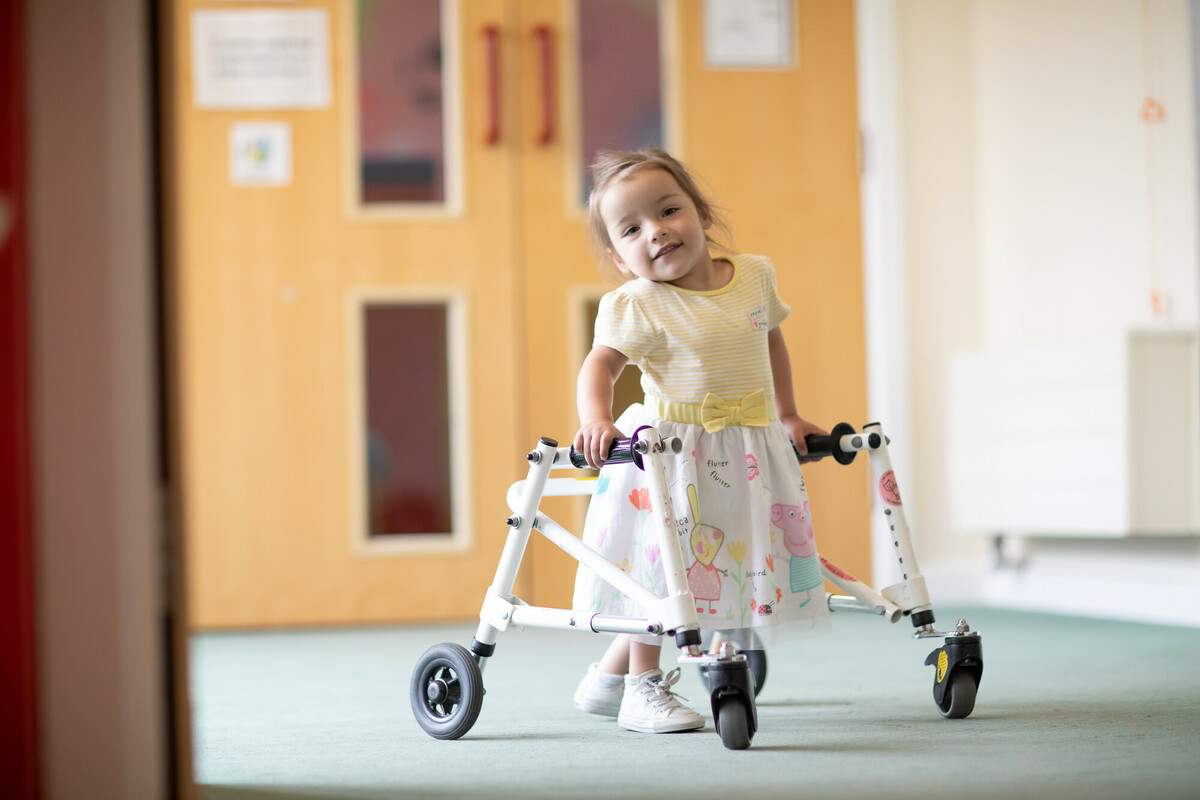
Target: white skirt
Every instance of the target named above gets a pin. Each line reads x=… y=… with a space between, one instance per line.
x=744 y=524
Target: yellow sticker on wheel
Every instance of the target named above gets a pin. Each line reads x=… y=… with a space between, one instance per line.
x=943 y=662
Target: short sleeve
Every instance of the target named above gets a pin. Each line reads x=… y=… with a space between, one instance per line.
x=622 y=325
x=777 y=310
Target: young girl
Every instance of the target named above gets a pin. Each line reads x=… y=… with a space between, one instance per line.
x=704 y=331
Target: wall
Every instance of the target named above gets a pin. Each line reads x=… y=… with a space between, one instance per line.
x=1084 y=209
x=100 y=574
x=1038 y=205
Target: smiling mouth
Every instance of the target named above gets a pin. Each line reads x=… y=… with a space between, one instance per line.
x=671 y=248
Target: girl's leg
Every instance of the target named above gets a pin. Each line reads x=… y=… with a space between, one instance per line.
x=643 y=657
x=616 y=658
x=627 y=657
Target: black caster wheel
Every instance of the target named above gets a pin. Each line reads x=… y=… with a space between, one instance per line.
x=733 y=722
x=959 y=668
x=958 y=700
x=446 y=692
x=757 y=661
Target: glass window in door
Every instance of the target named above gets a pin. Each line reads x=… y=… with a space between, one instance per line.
x=405 y=102
x=409 y=371
x=620 y=78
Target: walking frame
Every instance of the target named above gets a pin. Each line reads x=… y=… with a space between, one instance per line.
x=446 y=691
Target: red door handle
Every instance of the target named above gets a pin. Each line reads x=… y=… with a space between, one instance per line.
x=545 y=47
x=491 y=62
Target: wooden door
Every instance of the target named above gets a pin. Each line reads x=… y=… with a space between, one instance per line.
x=777 y=149
x=272 y=292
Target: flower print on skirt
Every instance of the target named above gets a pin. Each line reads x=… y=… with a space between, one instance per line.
x=744 y=524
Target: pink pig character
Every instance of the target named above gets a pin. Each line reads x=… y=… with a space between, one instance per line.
x=796 y=524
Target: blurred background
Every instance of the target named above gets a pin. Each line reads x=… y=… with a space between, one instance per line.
x=290 y=288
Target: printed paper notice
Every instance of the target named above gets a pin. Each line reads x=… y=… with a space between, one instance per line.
x=268 y=59
x=748 y=34
x=260 y=154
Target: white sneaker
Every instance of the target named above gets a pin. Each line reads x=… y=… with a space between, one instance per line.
x=649 y=705
x=600 y=693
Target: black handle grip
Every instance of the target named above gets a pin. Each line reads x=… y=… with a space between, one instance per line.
x=625 y=451
x=831 y=445
x=818 y=446
x=621 y=452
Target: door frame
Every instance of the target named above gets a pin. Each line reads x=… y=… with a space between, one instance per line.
x=100 y=534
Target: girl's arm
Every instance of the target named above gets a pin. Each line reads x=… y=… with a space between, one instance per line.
x=599 y=373
x=785 y=396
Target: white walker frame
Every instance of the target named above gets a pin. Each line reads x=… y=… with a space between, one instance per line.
x=446 y=691
x=668 y=615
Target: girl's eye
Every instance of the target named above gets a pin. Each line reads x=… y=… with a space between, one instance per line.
x=669 y=211
x=630 y=231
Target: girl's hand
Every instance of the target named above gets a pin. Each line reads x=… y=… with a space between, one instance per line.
x=797 y=428
x=595 y=439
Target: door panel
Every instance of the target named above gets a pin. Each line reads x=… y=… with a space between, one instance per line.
x=402 y=80
x=268 y=386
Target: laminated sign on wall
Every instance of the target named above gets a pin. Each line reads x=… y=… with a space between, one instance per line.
x=260 y=59
x=748 y=34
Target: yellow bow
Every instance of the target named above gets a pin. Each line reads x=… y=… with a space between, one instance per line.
x=716 y=413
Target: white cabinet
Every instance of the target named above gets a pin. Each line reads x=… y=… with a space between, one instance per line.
x=1089 y=437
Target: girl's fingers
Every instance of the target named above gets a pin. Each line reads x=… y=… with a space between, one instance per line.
x=601 y=448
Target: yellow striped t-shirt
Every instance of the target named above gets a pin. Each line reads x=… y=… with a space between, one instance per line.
x=689 y=343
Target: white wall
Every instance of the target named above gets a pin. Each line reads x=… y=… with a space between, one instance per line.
x=1036 y=204
x=1084 y=209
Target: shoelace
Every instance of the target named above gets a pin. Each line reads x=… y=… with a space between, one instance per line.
x=664 y=698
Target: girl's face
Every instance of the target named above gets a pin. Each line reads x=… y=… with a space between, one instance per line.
x=656 y=231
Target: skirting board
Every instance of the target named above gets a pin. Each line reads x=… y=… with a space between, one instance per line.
x=1165 y=600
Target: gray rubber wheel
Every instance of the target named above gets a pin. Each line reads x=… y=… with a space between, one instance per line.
x=959 y=700
x=446 y=692
x=733 y=722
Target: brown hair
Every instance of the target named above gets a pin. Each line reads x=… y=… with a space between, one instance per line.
x=612 y=167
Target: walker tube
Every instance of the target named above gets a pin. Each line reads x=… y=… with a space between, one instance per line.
x=844 y=602
x=680 y=607
x=601 y=623
x=555 y=487
x=910 y=594
x=593 y=560
x=565 y=619
x=869 y=599
x=540 y=460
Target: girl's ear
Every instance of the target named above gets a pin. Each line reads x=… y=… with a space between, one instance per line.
x=615 y=259
x=706 y=221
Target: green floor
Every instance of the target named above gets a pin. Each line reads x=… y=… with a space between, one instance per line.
x=1068 y=708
